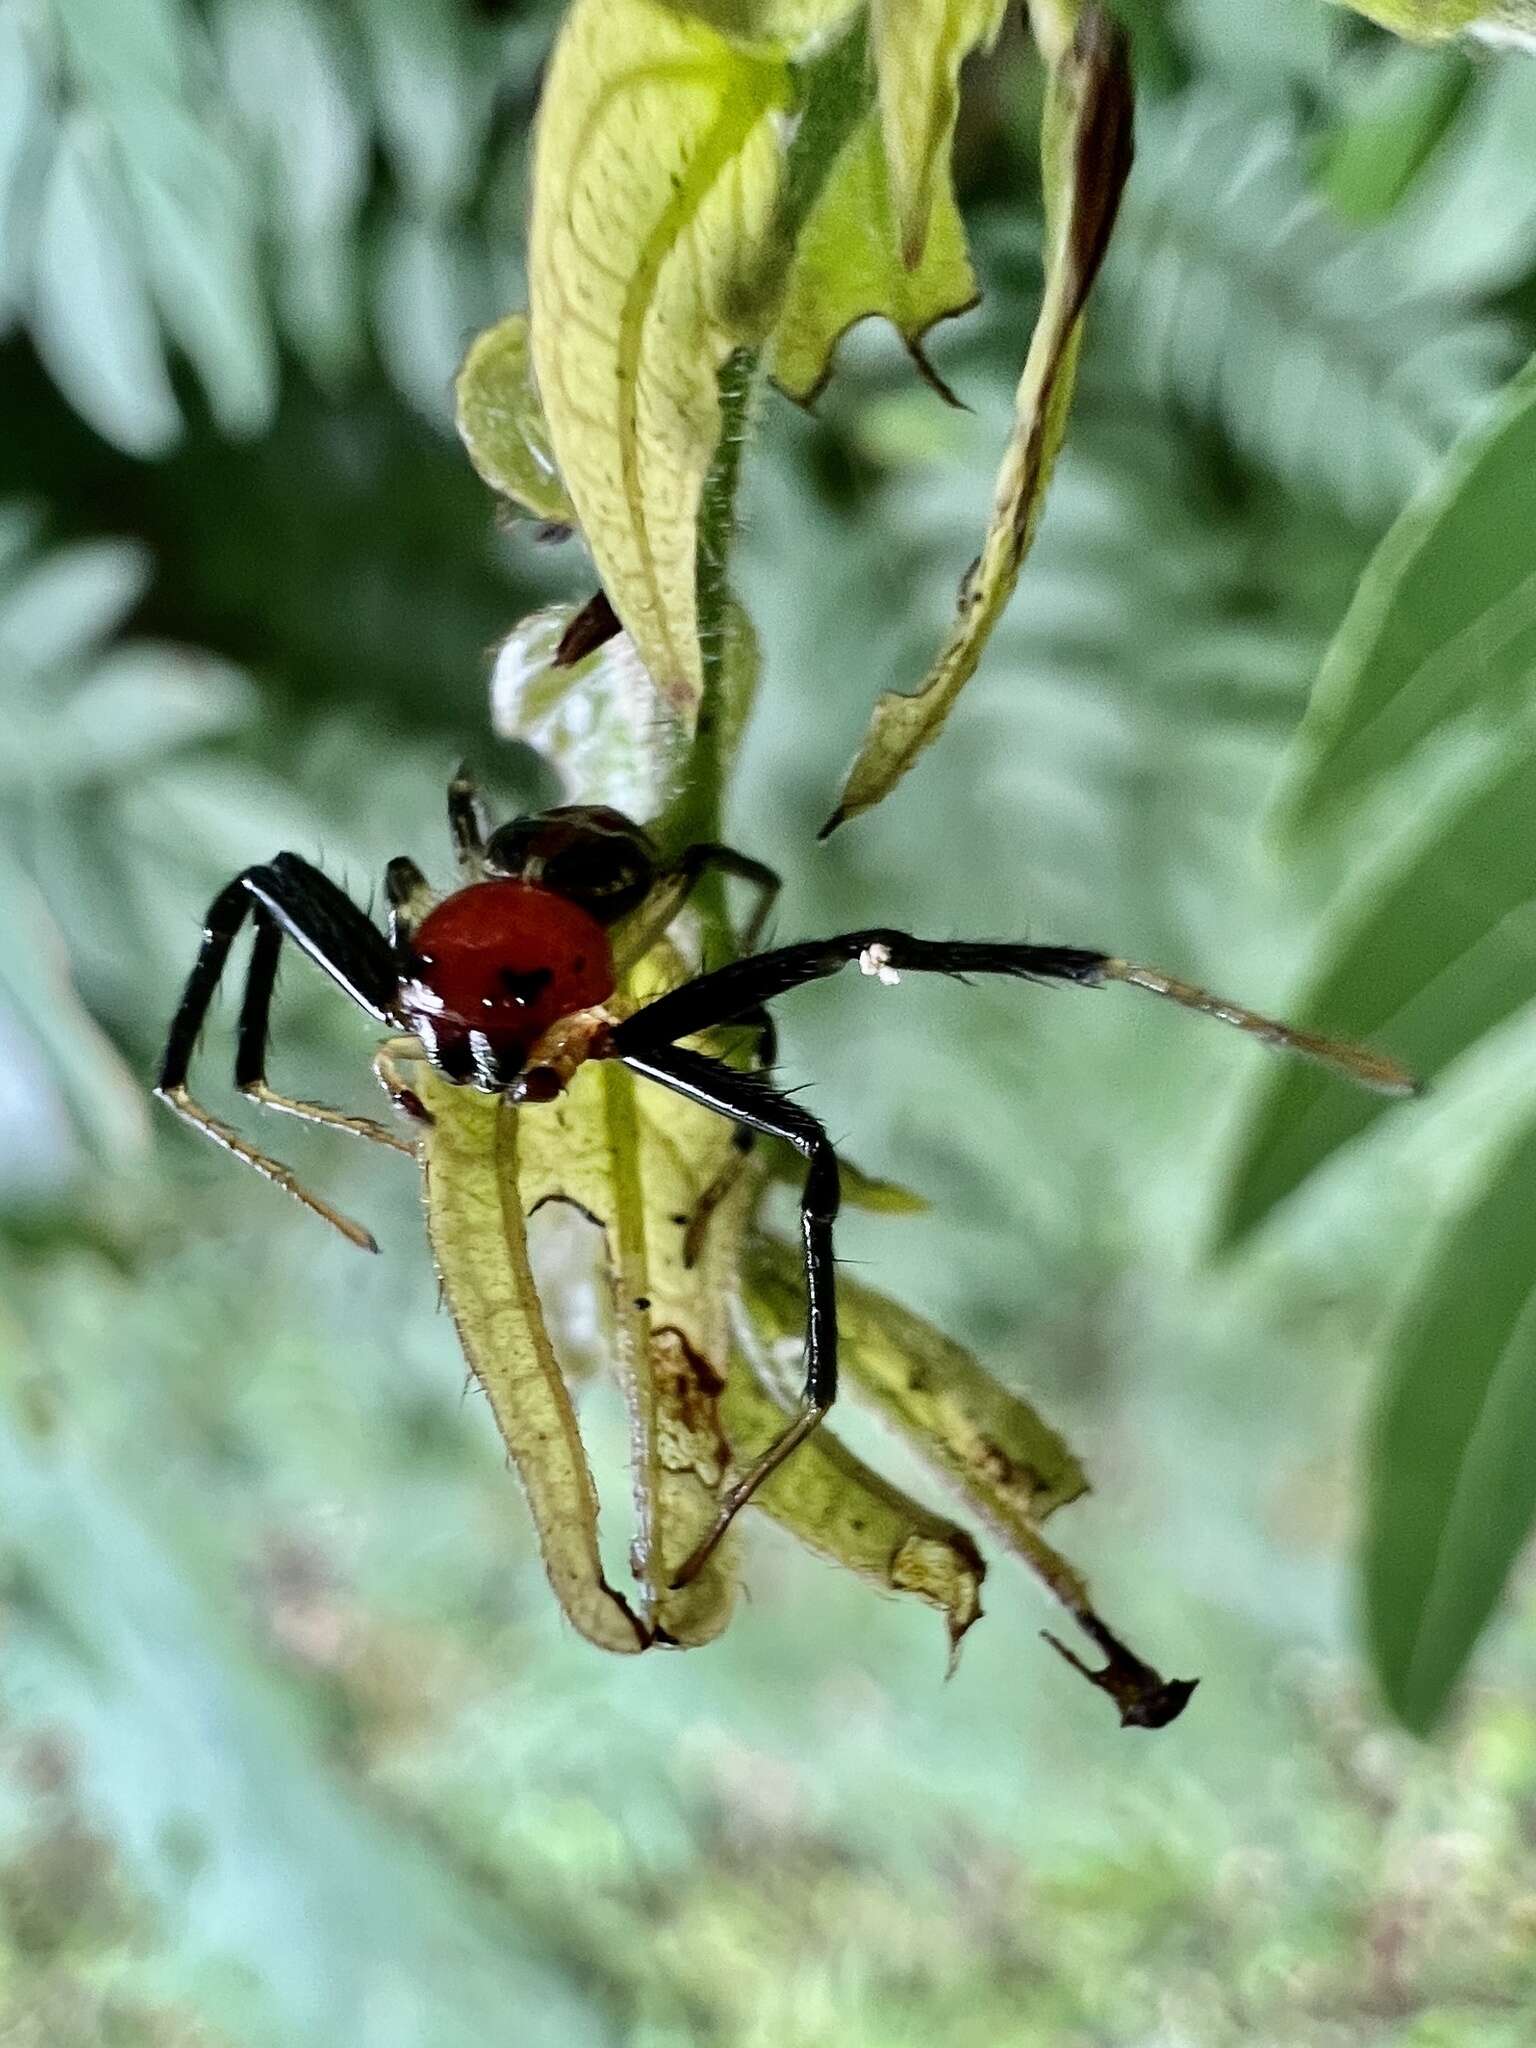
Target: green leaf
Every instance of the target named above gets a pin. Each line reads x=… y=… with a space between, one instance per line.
x=1436 y=21
x=1011 y=1466
x=1452 y=1479
x=636 y=1161
x=285 y=70
x=125 y=50
x=435 y=80
x=861 y=1190
x=502 y=423
x=1421 y=20
x=1086 y=155
x=24 y=120
x=430 y=291
x=93 y=324
x=198 y=237
x=107 y=1102
x=848 y=265
x=652 y=257
x=70 y=601
x=1392 y=129
x=142 y=702
x=918 y=52
x=1443 y=625
x=1426 y=961
x=1284 y=328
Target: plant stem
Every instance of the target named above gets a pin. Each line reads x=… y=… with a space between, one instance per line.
x=836 y=91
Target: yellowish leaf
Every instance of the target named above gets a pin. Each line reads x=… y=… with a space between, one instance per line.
x=919 y=46
x=479 y=1244
x=1053 y=23
x=784 y=23
x=884 y=1197
x=1436 y=21
x=502 y=424
x=1012 y=1467
x=657 y=167
x=849 y=264
x=639 y=1161
x=1086 y=152
x=1009 y=1466
x=836 y=1506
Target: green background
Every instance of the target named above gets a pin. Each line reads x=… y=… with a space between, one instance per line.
x=294 y=1746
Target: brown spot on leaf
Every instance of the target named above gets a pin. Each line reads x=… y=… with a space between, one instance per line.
x=688 y=1390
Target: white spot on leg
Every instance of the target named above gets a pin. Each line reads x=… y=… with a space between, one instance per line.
x=875 y=961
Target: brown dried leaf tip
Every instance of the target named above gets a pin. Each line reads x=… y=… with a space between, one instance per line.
x=1144 y=1698
x=593 y=626
x=1105 y=148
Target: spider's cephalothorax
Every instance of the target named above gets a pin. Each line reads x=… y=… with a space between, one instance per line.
x=487 y=972
x=505 y=983
x=491 y=969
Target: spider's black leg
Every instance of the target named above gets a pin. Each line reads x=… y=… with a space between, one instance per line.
x=409 y=896
x=730 y=991
x=742 y=1143
x=305 y=906
x=467 y=823
x=725 y=860
x=251 y=1046
x=673 y=885
x=748 y=1099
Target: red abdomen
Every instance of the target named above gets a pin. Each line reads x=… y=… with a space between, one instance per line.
x=507 y=959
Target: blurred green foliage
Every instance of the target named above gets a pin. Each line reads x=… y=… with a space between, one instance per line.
x=291 y=1747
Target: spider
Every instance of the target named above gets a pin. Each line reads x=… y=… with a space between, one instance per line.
x=508 y=984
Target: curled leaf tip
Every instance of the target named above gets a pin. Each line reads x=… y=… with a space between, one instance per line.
x=930 y=376
x=1105 y=145
x=842 y=1511
x=961 y=1624
x=851 y=264
x=1086 y=149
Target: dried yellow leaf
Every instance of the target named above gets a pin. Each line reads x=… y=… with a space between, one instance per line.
x=657 y=167
x=836 y=1506
x=1086 y=153
x=919 y=46
x=475 y=1223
